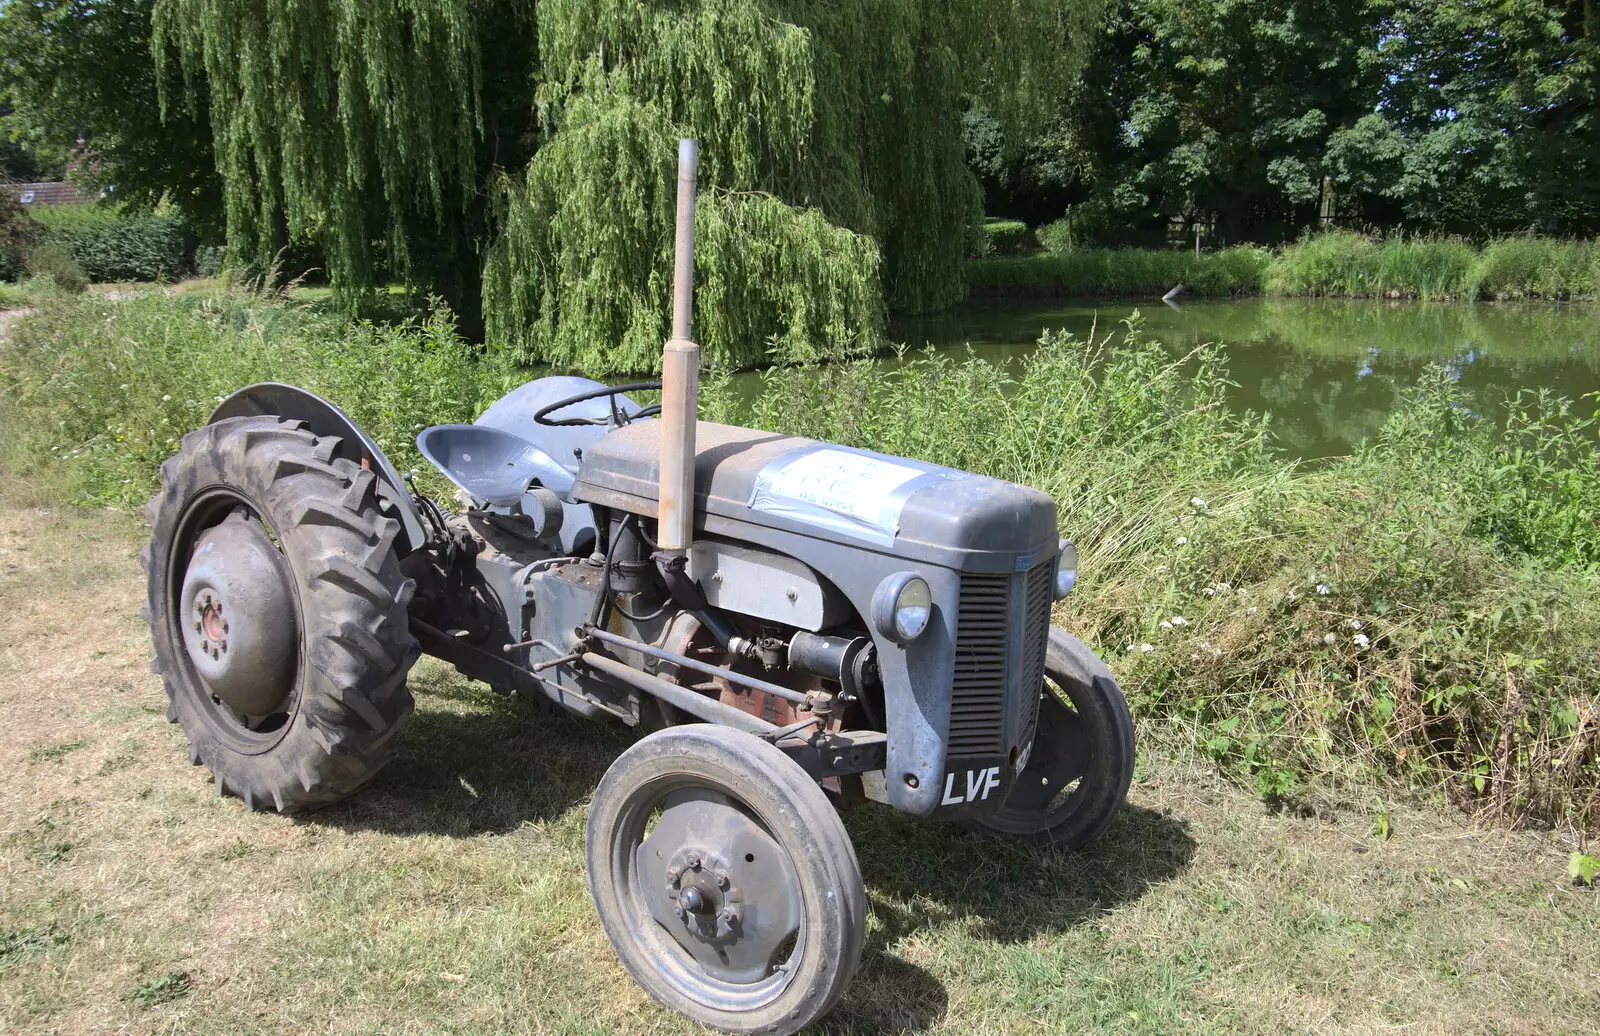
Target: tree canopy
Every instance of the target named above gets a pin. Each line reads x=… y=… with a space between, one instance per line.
x=515 y=158
x=1463 y=116
x=433 y=132
x=81 y=87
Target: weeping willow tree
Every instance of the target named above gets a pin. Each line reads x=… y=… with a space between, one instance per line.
x=833 y=171
x=364 y=128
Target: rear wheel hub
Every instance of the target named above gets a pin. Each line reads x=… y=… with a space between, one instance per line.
x=238 y=616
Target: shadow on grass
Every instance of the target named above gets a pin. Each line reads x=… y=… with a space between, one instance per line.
x=502 y=762
x=1012 y=890
x=920 y=876
x=487 y=770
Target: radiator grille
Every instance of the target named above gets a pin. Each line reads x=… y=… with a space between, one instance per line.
x=1035 y=640
x=1002 y=628
x=978 y=696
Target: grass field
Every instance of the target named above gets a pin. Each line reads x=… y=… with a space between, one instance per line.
x=450 y=896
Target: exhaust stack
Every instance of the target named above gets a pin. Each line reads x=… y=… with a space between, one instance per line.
x=680 y=383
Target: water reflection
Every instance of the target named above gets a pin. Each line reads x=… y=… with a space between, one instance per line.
x=1329 y=372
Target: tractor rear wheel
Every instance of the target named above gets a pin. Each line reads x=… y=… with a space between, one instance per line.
x=278 y=612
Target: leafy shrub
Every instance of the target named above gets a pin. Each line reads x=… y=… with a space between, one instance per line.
x=1058 y=237
x=1124 y=272
x=1004 y=236
x=112 y=245
x=53 y=261
x=209 y=259
x=1532 y=267
x=18 y=232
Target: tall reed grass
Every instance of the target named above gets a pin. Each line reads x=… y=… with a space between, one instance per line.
x=1331 y=264
x=1425 y=613
x=1121 y=271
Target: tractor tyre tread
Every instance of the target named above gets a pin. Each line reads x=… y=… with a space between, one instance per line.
x=356 y=645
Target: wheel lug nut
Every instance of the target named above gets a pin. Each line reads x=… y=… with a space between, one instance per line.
x=693 y=860
x=722 y=879
x=678 y=910
x=197 y=625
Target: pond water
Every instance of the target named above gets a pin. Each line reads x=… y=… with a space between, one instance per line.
x=1329 y=372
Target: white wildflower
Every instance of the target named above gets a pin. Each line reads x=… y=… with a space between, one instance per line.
x=123 y=387
x=1322 y=590
x=1160 y=569
x=1198 y=503
x=1330 y=640
x=1251 y=610
x=1209 y=591
x=1179 y=620
x=1146 y=648
x=166 y=399
x=1181 y=540
x=1362 y=641
x=1293 y=596
x=1355 y=624
x=1165 y=624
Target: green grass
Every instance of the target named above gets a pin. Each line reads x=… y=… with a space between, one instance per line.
x=449 y=896
x=1331 y=264
x=1425 y=613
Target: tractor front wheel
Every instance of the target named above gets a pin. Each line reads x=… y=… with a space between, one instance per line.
x=725 y=880
x=278 y=612
x=1081 y=764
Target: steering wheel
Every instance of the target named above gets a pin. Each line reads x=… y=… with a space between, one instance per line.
x=610 y=392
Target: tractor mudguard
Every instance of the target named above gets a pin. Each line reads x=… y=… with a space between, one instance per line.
x=324 y=419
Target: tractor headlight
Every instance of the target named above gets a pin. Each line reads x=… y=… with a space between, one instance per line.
x=1066 y=569
x=902 y=606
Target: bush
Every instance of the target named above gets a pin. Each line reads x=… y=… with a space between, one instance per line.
x=112 y=245
x=18 y=232
x=1341 y=262
x=209 y=260
x=114 y=385
x=1336 y=263
x=1004 y=236
x=1532 y=267
x=1124 y=272
x=1058 y=237
x=52 y=261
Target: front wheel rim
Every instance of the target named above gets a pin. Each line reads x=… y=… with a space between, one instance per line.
x=1055 y=782
x=766 y=930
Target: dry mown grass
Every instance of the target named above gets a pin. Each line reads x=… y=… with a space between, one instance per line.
x=450 y=896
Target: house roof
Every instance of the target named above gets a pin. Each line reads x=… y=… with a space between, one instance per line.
x=53 y=194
